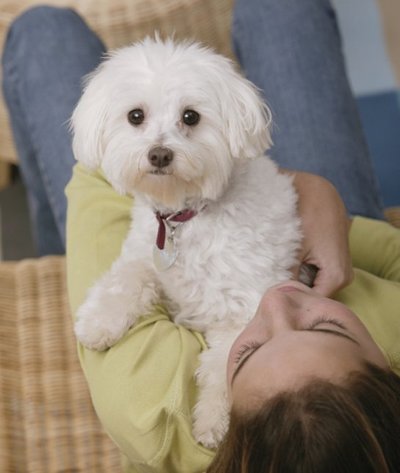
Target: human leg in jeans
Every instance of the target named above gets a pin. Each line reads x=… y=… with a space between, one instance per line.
x=47 y=52
x=291 y=50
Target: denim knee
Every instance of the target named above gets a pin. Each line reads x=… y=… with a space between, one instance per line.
x=43 y=31
x=285 y=5
x=37 y=25
x=30 y=34
x=42 y=17
x=281 y=14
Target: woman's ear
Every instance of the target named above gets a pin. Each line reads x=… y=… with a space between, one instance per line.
x=247 y=117
x=88 y=120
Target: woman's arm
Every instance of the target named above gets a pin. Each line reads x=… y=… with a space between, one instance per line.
x=143 y=388
x=325 y=227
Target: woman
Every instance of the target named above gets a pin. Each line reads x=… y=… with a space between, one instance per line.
x=309 y=365
x=143 y=387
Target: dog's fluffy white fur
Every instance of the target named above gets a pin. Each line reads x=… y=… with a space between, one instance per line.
x=246 y=233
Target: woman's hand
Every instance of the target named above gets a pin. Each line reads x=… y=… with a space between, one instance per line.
x=325 y=227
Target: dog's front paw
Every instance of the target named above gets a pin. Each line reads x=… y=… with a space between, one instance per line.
x=211 y=413
x=99 y=327
x=209 y=431
x=211 y=421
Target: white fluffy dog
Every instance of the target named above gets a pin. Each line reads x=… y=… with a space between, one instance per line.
x=215 y=224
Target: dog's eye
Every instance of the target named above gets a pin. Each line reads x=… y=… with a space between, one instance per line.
x=190 y=117
x=136 y=116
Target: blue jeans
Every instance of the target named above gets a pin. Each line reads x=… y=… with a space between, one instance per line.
x=289 y=48
x=47 y=52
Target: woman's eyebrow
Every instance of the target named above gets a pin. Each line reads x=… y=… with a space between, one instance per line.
x=319 y=330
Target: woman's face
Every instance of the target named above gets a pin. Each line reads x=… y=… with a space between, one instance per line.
x=296 y=335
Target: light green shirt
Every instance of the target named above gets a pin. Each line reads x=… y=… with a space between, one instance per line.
x=143 y=388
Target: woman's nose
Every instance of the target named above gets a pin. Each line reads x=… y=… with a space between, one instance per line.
x=283 y=320
x=280 y=311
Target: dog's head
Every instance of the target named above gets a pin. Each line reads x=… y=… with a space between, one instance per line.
x=168 y=120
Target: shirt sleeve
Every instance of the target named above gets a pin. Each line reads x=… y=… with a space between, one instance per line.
x=143 y=388
x=375 y=247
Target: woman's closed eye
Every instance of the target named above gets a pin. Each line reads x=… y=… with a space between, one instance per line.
x=324 y=319
x=249 y=347
x=317 y=325
x=246 y=349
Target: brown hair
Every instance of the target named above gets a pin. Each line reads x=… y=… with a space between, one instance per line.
x=320 y=428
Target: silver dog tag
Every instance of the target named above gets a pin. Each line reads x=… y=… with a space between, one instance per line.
x=165 y=258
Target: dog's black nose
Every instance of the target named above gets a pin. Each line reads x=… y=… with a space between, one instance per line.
x=160 y=157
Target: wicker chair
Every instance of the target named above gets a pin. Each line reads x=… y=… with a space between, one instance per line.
x=47 y=423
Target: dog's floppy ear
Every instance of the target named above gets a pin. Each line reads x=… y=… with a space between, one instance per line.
x=247 y=117
x=88 y=120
